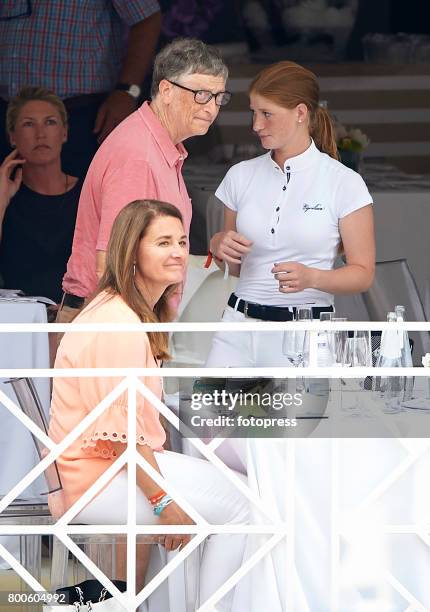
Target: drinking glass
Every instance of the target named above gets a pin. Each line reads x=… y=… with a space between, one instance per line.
x=357 y=354
x=325 y=354
x=295 y=344
x=339 y=341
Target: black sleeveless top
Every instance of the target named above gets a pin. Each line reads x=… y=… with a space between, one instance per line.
x=37 y=241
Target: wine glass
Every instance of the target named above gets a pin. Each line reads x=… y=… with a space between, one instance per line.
x=339 y=341
x=295 y=344
x=357 y=351
x=325 y=354
x=357 y=354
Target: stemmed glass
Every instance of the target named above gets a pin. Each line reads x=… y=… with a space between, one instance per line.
x=357 y=353
x=339 y=341
x=325 y=354
x=295 y=344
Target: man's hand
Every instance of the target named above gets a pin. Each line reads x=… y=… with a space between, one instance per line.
x=142 y=41
x=174 y=515
x=293 y=276
x=230 y=246
x=117 y=106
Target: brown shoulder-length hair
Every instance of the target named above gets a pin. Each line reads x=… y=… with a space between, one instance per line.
x=129 y=227
x=289 y=84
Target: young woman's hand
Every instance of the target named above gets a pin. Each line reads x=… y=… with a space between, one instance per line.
x=230 y=246
x=174 y=515
x=293 y=276
x=9 y=186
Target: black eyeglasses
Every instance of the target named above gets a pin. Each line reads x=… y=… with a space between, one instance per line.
x=26 y=13
x=202 y=96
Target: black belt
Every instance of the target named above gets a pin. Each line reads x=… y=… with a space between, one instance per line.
x=271 y=313
x=73 y=301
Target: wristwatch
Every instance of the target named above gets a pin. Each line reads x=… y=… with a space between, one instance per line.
x=132 y=89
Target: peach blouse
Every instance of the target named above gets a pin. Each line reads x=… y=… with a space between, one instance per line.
x=73 y=398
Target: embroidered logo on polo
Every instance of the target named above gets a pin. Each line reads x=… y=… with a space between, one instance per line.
x=307 y=207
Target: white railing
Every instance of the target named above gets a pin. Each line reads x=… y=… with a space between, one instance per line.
x=342 y=526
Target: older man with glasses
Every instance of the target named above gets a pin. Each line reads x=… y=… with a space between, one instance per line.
x=143 y=158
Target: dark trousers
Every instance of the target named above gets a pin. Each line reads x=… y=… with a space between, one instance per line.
x=81 y=145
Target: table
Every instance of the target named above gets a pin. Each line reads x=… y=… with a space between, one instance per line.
x=317 y=487
x=293 y=479
x=21 y=350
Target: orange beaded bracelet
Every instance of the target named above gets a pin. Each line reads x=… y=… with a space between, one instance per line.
x=154 y=499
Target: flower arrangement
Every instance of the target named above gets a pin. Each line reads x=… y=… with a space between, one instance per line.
x=350 y=139
x=426 y=363
x=350 y=143
x=426 y=360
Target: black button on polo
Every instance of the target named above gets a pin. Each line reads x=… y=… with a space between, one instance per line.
x=287 y=168
x=277 y=209
x=272 y=230
x=284 y=188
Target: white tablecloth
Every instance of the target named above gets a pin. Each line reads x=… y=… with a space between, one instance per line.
x=316 y=489
x=21 y=350
x=290 y=484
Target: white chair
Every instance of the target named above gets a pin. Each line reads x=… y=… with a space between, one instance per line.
x=351 y=306
x=28 y=512
x=36 y=512
x=394 y=284
x=29 y=402
x=205 y=296
x=214 y=216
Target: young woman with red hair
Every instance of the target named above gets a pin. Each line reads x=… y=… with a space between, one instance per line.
x=286 y=216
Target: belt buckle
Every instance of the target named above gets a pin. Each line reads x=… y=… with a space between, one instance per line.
x=245 y=309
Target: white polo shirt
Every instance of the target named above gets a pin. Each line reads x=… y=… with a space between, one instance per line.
x=290 y=215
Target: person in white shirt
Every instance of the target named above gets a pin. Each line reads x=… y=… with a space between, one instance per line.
x=287 y=214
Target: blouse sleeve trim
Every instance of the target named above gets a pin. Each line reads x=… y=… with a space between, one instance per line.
x=91 y=444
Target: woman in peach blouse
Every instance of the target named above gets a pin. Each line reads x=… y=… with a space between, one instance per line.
x=146 y=259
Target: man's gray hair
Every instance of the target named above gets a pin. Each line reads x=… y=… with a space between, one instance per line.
x=185 y=56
